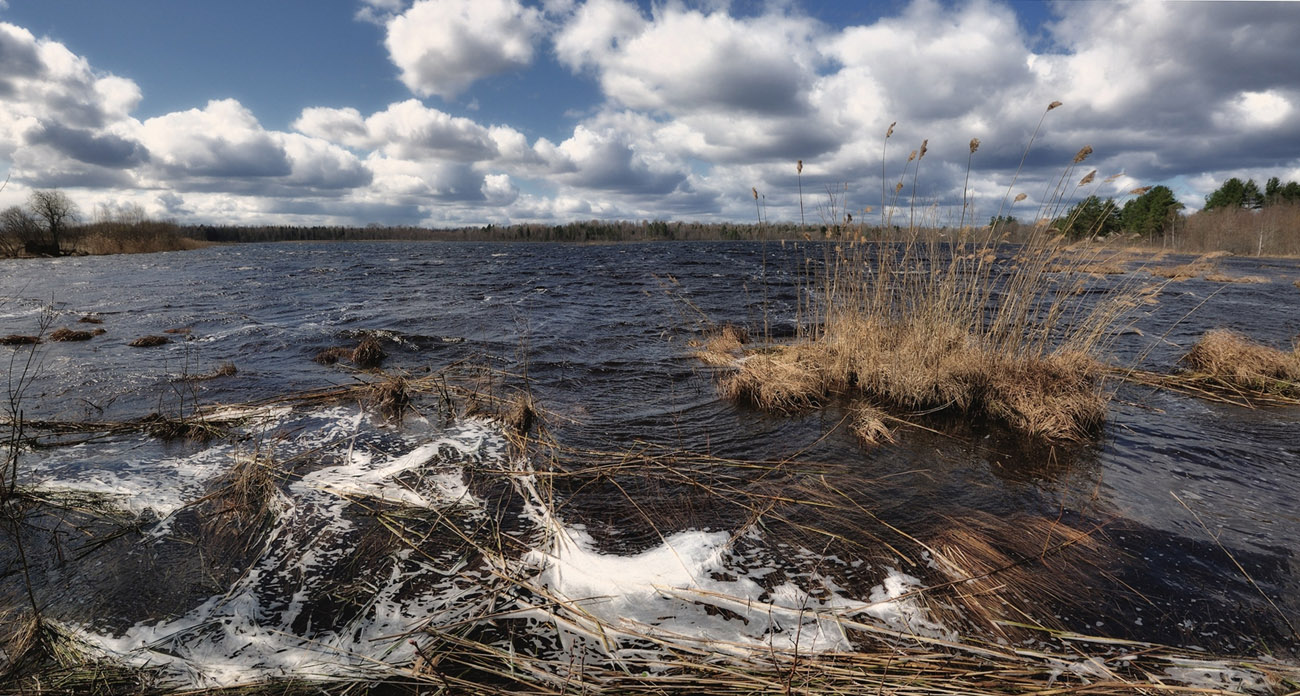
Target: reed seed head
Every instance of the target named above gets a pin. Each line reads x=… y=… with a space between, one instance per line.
x=1087 y=179
x=891 y=129
x=1020 y=197
x=755 y=190
x=1083 y=154
x=1053 y=105
x=974 y=145
x=899 y=186
x=924 y=144
x=1113 y=177
x=1140 y=190
x=911 y=156
x=798 y=168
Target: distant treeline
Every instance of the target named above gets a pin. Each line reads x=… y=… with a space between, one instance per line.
x=585 y=231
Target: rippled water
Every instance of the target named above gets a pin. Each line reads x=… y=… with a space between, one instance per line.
x=1182 y=490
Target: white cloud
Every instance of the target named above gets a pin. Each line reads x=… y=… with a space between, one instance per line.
x=221 y=140
x=686 y=60
x=442 y=47
x=1255 y=111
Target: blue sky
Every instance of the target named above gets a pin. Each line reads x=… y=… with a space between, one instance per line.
x=465 y=112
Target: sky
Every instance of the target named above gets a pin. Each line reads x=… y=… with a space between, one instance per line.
x=446 y=113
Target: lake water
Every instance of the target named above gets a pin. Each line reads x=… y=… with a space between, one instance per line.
x=1175 y=491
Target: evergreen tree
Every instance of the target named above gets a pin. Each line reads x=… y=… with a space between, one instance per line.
x=1090 y=217
x=1151 y=214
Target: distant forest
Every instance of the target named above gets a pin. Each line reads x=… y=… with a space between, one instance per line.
x=1239 y=218
x=585 y=231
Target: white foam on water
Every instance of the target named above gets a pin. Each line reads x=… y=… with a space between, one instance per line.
x=688 y=588
x=262 y=627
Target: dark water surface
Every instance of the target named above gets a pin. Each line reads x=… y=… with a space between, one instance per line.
x=1183 y=490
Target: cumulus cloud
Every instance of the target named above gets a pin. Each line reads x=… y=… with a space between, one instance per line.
x=695 y=103
x=686 y=59
x=442 y=47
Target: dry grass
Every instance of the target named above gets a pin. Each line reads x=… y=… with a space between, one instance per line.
x=194 y=428
x=869 y=424
x=19 y=340
x=331 y=356
x=66 y=334
x=1204 y=265
x=149 y=342
x=390 y=397
x=368 y=354
x=918 y=366
x=1235 y=360
x=90 y=319
x=239 y=510
x=226 y=369
x=1224 y=278
x=1006 y=570
x=722 y=346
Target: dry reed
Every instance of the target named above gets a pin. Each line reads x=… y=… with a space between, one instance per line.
x=19 y=340
x=723 y=345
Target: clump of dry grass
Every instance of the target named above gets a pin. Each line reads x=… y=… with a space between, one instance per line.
x=331 y=356
x=965 y=325
x=1297 y=284
x=239 y=509
x=868 y=424
x=1205 y=264
x=1225 y=278
x=918 y=366
x=195 y=429
x=149 y=342
x=225 y=369
x=723 y=344
x=66 y=334
x=785 y=380
x=90 y=319
x=368 y=354
x=179 y=331
x=1237 y=361
x=390 y=397
x=521 y=414
x=19 y=340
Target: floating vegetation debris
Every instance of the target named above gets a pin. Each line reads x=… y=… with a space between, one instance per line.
x=19 y=340
x=66 y=334
x=149 y=342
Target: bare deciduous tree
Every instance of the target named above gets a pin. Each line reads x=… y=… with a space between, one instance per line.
x=55 y=211
x=17 y=228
